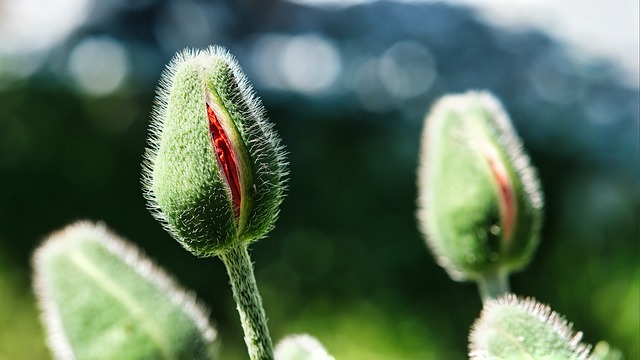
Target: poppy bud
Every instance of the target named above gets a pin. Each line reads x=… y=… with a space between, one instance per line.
x=102 y=298
x=513 y=328
x=480 y=207
x=214 y=171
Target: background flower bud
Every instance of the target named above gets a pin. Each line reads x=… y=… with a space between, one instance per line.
x=214 y=171
x=102 y=298
x=512 y=328
x=301 y=347
x=479 y=199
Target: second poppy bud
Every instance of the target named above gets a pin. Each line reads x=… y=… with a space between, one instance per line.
x=480 y=206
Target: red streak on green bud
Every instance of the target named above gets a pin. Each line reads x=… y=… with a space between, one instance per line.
x=226 y=158
x=508 y=206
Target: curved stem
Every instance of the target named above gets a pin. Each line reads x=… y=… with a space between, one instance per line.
x=493 y=284
x=249 y=303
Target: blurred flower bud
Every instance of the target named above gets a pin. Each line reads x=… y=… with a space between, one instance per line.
x=512 y=328
x=102 y=298
x=301 y=347
x=604 y=351
x=214 y=171
x=480 y=207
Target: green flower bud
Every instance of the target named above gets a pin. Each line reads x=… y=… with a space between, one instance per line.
x=480 y=207
x=301 y=347
x=215 y=171
x=102 y=298
x=512 y=328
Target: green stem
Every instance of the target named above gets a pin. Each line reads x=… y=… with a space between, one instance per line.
x=249 y=303
x=493 y=284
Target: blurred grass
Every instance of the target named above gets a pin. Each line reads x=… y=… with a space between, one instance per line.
x=373 y=334
x=21 y=335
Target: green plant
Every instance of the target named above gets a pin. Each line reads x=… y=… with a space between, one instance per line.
x=480 y=210
x=480 y=205
x=215 y=175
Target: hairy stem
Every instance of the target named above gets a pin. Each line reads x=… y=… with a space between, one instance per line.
x=249 y=303
x=493 y=284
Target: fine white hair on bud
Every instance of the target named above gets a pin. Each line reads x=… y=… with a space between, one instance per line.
x=215 y=170
x=513 y=328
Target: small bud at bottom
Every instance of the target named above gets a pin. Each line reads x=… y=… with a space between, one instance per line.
x=101 y=298
x=513 y=328
x=301 y=347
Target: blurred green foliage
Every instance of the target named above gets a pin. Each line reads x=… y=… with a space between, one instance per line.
x=21 y=335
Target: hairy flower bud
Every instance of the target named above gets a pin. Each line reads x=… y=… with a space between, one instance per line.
x=215 y=171
x=479 y=200
x=102 y=298
x=513 y=328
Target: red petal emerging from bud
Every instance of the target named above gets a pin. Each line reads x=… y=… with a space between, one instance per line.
x=226 y=158
x=507 y=198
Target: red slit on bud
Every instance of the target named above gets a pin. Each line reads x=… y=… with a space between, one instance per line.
x=508 y=206
x=226 y=158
